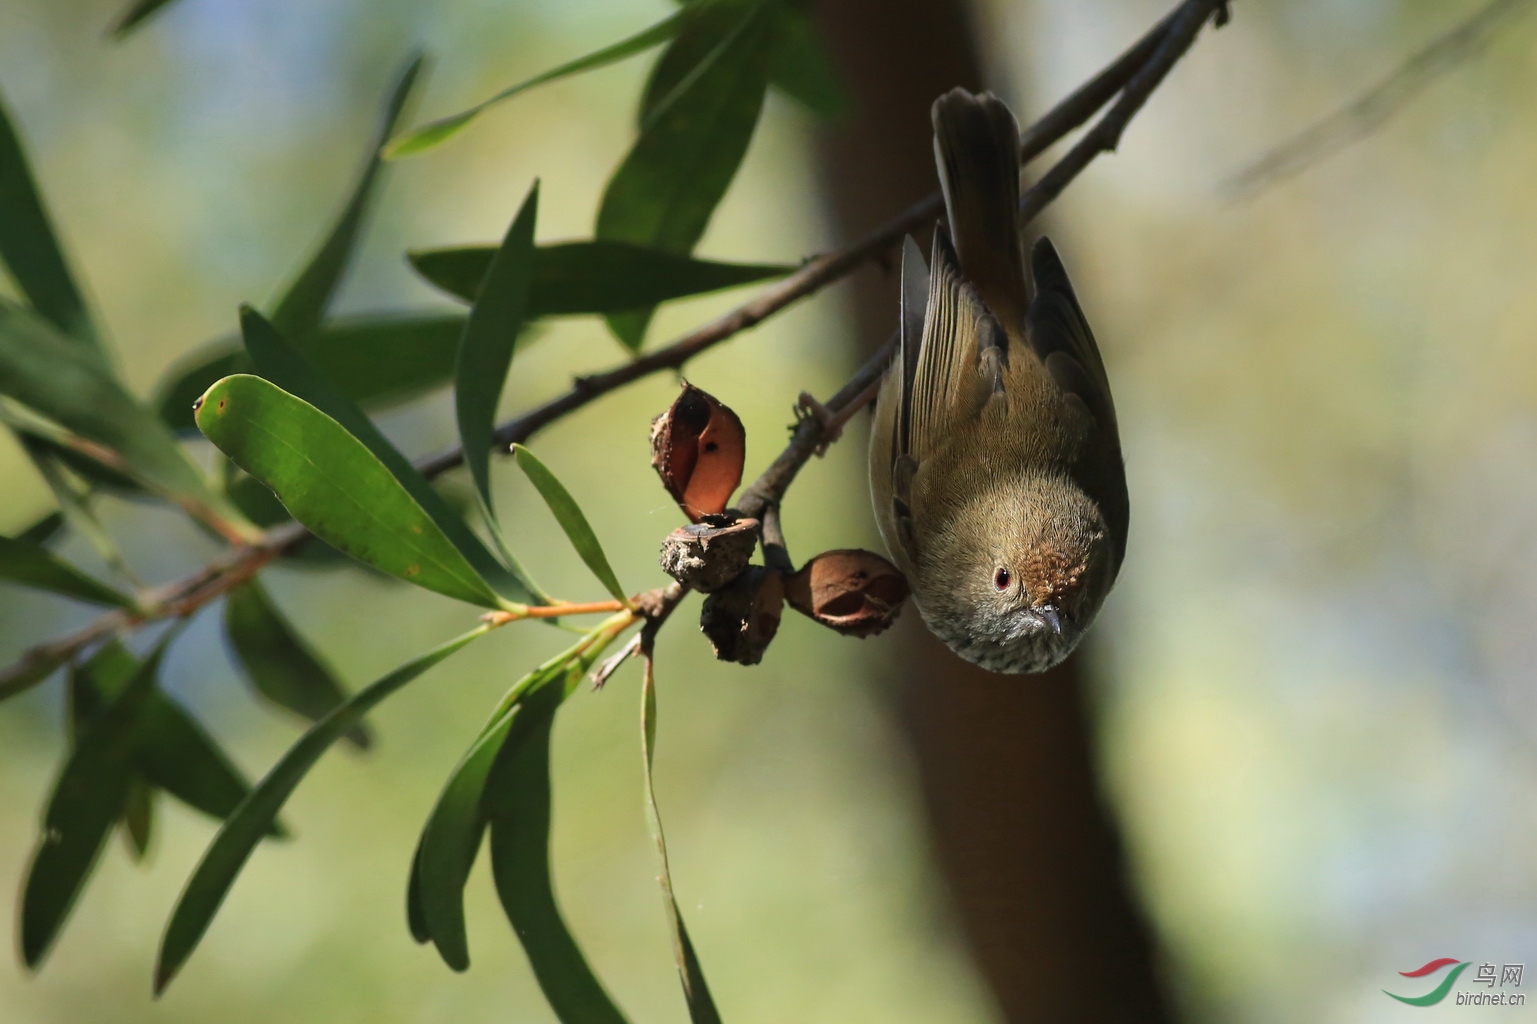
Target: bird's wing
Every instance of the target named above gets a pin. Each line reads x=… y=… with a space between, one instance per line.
x=960 y=359
x=951 y=357
x=915 y=304
x=976 y=147
x=1060 y=337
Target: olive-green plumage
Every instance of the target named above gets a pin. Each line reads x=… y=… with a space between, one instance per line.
x=995 y=464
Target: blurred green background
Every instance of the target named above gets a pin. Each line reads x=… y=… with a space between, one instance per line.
x=1315 y=673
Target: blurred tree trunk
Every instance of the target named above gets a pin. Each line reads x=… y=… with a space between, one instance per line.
x=1008 y=767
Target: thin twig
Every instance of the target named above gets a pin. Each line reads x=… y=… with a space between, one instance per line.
x=1373 y=108
x=776 y=553
x=1133 y=75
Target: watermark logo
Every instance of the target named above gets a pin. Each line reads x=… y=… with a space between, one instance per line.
x=1508 y=974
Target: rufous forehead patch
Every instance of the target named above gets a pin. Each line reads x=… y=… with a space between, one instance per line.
x=1050 y=573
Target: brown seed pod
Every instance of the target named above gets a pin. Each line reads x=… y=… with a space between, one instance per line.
x=698 y=447
x=857 y=593
x=709 y=555
x=741 y=619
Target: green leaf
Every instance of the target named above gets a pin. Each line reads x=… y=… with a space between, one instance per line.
x=335 y=486
x=98 y=475
x=419 y=140
x=75 y=504
x=57 y=379
x=696 y=993
x=517 y=803
x=299 y=311
x=416 y=911
x=485 y=350
x=377 y=361
x=88 y=800
x=801 y=67
x=695 y=131
x=569 y=514
x=286 y=366
x=30 y=248
x=134 y=14
x=139 y=817
x=277 y=661
x=173 y=751
x=179 y=756
x=573 y=278
x=44 y=530
x=220 y=865
x=33 y=565
x=96 y=683
x=449 y=844
x=694 y=48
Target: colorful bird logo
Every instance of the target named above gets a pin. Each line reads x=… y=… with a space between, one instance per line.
x=1438 y=993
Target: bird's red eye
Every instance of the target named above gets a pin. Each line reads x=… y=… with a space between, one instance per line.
x=1001 y=579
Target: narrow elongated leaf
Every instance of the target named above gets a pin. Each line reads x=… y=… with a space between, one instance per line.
x=377 y=361
x=139 y=817
x=81 y=459
x=96 y=683
x=698 y=43
x=573 y=278
x=177 y=755
x=485 y=350
x=173 y=751
x=92 y=687
x=446 y=851
x=44 y=371
x=416 y=911
x=44 y=530
x=517 y=802
x=434 y=132
x=220 y=865
x=33 y=565
x=29 y=246
x=280 y=362
x=692 y=141
x=800 y=66
x=696 y=993
x=335 y=486
x=279 y=664
x=135 y=14
x=298 y=313
x=88 y=800
x=569 y=514
x=450 y=843
x=75 y=504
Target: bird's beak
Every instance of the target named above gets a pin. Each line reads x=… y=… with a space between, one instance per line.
x=1050 y=616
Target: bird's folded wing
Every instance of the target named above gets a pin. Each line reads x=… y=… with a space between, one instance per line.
x=959 y=362
x=1061 y=339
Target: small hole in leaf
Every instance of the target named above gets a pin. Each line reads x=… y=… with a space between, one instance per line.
x=711 y=446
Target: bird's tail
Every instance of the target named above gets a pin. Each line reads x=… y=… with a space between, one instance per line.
x=976 y=145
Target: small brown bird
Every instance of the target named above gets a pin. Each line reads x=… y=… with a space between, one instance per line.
x=995 y=465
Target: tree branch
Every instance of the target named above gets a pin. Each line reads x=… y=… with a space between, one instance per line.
x=1133 y=76
x=1373 y=108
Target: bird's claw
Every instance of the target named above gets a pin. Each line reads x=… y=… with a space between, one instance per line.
x=807 y=407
